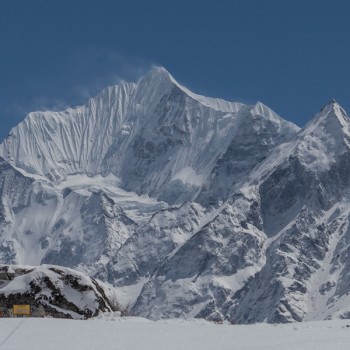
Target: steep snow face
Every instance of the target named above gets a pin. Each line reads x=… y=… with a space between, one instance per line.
x=311 y=169
x=156 y=136
x=55 y=144
x=17 y=193
x=256 y=133
x=77 y=140
x=54 y=290
x=66 y=224
x=325 y=138
x=317 y=146
x=13 y=191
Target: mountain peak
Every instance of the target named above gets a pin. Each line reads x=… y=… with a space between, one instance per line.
x=160 y=72
x=332 y=110
x=260 y=110
x=325 y=137
x=157 y=76
x=153 y=86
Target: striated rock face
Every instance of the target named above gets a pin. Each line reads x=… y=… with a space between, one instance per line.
x=54 y=290
x=188 y=206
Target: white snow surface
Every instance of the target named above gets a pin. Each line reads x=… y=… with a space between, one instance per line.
x=137 y=333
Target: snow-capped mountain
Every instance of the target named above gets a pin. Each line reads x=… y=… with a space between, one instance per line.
x=155 y=136
x=186 y=205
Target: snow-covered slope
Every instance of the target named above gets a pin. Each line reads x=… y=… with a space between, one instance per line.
x=43 y=223
x=188 y=206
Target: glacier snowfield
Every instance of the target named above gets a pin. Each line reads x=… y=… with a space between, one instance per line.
x=138 y=333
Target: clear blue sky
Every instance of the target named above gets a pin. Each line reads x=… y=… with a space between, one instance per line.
x=293 y=55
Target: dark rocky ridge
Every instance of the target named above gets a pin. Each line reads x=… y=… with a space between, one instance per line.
x=52 y=290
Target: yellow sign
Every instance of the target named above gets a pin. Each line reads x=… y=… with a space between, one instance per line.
x=21 y=309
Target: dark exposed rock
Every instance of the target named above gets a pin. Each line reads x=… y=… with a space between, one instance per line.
x=60 y=292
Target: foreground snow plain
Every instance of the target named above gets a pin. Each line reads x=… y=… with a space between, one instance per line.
x=135 y=333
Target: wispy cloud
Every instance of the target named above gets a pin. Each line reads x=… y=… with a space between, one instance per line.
x=110 y=67
x=88 y=71
x=40 y=103
x=76 y=76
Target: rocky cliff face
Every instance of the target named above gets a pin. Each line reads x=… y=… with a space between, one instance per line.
x=187 y=205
